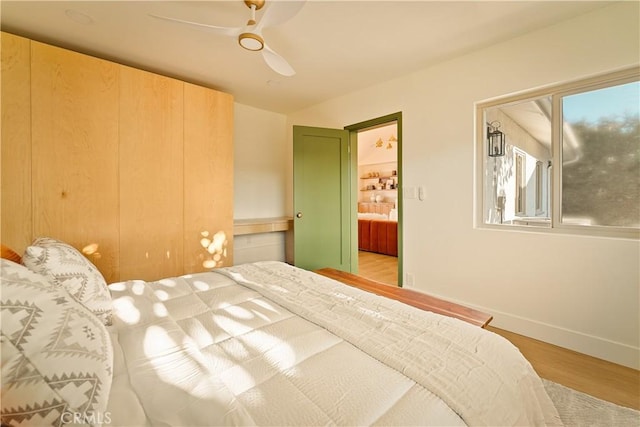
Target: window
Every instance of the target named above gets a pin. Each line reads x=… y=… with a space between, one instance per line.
x=571 y=158
x=600 y=176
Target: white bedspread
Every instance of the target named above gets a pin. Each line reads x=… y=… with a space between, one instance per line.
x=270 y=344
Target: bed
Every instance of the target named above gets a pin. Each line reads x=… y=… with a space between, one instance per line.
x=378 y=235
x=256 y=344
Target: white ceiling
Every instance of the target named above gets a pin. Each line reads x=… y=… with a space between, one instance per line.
x=334 y=46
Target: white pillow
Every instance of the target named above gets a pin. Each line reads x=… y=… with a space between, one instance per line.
x=57 y=358
x=71 y=270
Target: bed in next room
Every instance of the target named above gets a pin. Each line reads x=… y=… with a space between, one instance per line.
x=256 y=344
x=378 y=228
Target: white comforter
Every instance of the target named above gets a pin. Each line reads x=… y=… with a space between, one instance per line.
x=270 y=344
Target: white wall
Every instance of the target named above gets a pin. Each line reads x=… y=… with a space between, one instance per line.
x=261 y=164
x=578 y=292
x=261 y=175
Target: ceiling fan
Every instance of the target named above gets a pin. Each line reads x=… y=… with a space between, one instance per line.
x=250 y=35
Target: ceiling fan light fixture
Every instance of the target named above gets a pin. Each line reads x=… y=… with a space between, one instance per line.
x=250 y=36
x=256 y=3
x=251 y=41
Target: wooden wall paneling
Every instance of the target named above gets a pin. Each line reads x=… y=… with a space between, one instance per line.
x=116 y=161
x=75 y=152
x=151 y=175
x=15 y=193
x=208 y=178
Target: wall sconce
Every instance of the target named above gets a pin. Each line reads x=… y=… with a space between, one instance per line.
x=495 y=140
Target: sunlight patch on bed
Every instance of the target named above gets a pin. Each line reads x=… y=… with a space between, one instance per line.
x=231 y=326
x=261 y=315
x=201 y=285
x=238 y=379
x=250 y=371
x=168 y=282
x=239 y=312
x=160 y=310
x=126 y=310
x=177 y=365
x=138 y=287
x=281 y=356
x=118 y=287
x=265 y=304
x=261 y=340
x=201 y=333
x=162 y=295
x=236 y=349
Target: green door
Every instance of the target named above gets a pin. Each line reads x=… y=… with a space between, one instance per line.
x=321 y=198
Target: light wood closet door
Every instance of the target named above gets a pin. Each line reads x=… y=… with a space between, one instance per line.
x=151 y=175
x=16 y=142
x=208 y=179
x=75 y=152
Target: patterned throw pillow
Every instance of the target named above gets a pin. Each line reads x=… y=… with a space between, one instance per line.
x=56 y=356
x=71 y=270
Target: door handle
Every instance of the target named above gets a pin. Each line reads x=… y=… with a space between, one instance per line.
x=299 y=215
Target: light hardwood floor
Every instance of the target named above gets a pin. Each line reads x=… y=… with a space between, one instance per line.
x=599 y=378
x=382 y=268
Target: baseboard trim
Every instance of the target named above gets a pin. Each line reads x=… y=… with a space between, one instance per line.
x=611 y=351
x=601 y=348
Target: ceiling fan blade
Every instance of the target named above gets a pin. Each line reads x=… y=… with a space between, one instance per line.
x=226 y=31
x=279 y=12
x=277 y=62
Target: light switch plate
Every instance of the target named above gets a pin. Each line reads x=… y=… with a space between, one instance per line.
x=410 y=192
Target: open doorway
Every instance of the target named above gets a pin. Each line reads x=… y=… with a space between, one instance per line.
x=327 y=190
x=378 y=181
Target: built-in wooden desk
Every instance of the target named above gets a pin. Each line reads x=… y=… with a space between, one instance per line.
x=408 y=296
x=246 y=227
x=261 y=225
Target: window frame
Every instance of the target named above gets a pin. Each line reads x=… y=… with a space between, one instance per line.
x=521 y=177
x=539 y=183
x=556 y=93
